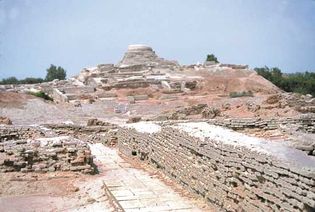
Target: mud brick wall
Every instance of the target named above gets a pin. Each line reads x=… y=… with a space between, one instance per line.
x=45 y=155
x=236 y=177
x=14 y=133
x=91 y=134
x=78 y=90
x=307 y=123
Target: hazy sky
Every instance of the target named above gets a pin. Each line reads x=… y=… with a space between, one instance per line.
x=80 y=33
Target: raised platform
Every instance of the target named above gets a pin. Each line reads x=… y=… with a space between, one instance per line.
x=139 y=47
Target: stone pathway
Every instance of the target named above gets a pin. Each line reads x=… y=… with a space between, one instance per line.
x=134 y=189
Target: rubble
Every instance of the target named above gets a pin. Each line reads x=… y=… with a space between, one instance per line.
x=44 y=154
x=273 y=99
x=200 y=110
x=96 y=122
x=5 y=120
x=306 y=109
x=210 y=113
x=134 y=119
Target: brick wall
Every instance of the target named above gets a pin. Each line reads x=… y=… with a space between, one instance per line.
x=306 y=123
x=239 y=173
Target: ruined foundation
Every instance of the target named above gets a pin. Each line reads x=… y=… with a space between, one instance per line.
x=28 y=150
x=233 y=171
x=305 y=123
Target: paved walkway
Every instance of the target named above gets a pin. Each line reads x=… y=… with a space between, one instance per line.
x=135 y=189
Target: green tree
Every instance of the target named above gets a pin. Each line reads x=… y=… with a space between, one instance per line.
x=276 y=76
x=303 y=83
x=31 y=80
x=264 y=72
x=212 y=58
x=9 y=80
x=54 y=72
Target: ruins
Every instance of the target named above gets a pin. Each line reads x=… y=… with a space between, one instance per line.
x=231 y=170
x=149 y=134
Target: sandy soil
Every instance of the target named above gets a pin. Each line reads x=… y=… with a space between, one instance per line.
x=51 y=192
x=13 y=100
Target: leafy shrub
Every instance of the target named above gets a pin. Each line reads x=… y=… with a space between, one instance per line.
x=31 y=80
x=9 y=80
x=42 y=95
x=241 y=94
x=14 y=81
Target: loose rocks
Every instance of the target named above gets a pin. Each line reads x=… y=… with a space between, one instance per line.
x=5 y=120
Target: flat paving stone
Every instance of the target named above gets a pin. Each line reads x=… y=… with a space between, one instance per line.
x=136 y=189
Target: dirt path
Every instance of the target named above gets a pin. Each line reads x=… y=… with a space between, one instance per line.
x=135 y=189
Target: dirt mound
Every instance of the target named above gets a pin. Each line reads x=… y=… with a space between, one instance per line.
x=13 y=100
x=231 y=80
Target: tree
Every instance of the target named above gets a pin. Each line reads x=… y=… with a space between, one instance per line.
x=264 y=72
x=31 y=80
x=276 y=76
x=303 y=83
x=212 y=58
x=10 y=80
x=54 y=72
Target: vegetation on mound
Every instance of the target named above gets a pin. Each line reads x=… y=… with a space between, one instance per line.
x=303 y=83
x=53 y=72
x=42 y=95
x=241 y=94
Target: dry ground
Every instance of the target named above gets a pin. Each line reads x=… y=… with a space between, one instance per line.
x=24 y=109
x=51 y=192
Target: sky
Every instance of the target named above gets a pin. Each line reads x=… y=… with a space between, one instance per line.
x=77 y=33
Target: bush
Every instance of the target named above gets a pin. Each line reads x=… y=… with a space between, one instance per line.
x=14 y=81
x=241 y=94
x=10 y=80
x=212 y=58
x=31 y=80
x=42 y=95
